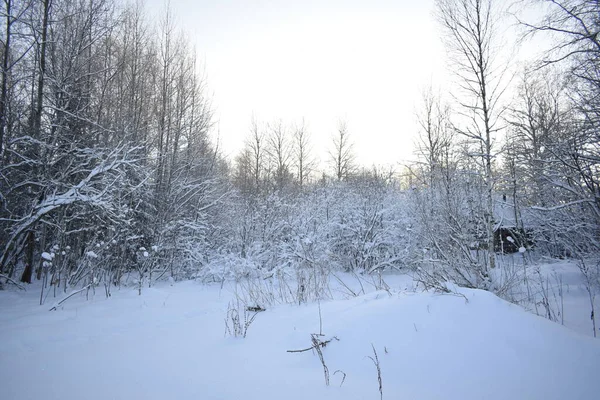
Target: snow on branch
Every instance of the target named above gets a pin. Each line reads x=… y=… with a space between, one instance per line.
x=82 y=192
x=565 y=205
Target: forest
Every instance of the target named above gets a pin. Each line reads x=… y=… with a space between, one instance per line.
x=125 y=227
x=109 y=174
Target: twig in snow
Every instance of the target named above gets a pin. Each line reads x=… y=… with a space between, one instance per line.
x=344 y=285
x=69 y=296
x=320 y=344
x=317 y=344
x=343 y=378
x=376 y=362
x=238 y=327
x=17 y=284
x=320 y=321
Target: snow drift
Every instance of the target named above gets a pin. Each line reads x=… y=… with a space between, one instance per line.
x=170 y=344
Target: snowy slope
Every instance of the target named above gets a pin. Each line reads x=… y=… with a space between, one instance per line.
x=169 y=344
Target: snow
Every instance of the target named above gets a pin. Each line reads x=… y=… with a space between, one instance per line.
x=47 y=256
x=562 y=276
x=169 y=343
x=91 y=254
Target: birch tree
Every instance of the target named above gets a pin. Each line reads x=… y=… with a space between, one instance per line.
x=471 y=32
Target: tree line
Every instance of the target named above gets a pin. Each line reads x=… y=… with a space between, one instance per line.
x=109 y=176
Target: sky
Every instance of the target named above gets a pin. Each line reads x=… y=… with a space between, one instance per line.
x=322 y=61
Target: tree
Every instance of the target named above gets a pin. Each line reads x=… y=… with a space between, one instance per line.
x=278 y=150
x=434 y=143
x=101 y=114
x=94 y=189
x=251 y=171
x=445 y=204
x=537 y=117
x=14 y=14
x=242 y=178
x=38 y=106
x=342 y=155
x=574 y=26
x=256 y=147
x=470 y=27
x=303 y=160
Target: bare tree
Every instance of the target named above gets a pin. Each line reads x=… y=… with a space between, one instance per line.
x=537 y=118
x=342 y=155
x=168 y=52
x=436 y=136
x=100 y=113
x=133 y=84
x=13 y=14
x=256 y=146
x=574 y=27
x=303 y=160
x=471 y=31
x=242 y=177
x=279 y=153
x=445 y=203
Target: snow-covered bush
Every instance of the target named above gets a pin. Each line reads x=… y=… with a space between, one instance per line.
x=359 y=226
x=450 y=231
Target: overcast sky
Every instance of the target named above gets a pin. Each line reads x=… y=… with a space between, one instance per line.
x=364 y=61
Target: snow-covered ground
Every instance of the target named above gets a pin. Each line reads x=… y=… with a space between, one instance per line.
x=170 y=343
x=552 y=288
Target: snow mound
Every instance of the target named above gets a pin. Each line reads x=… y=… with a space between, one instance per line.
x=169 y=343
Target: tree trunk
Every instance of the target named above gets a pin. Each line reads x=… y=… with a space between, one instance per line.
x=4 y=89
x=30 y=245
x=37 y=118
